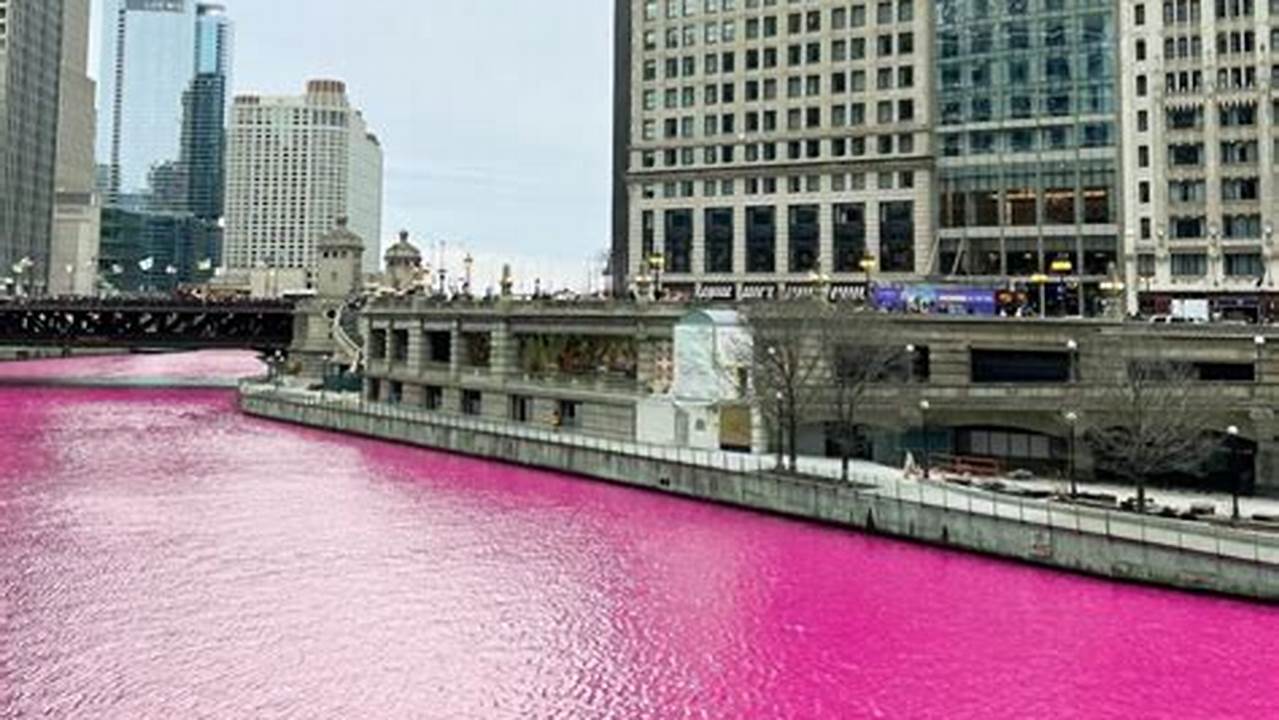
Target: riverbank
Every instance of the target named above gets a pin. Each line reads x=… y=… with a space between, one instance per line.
x=1104 y=543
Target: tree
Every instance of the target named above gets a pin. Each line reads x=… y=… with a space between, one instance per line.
x=786 y=360
x=1155 y=424
x=860 y=352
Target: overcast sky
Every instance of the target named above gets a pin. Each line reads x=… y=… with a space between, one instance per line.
x=494 y=115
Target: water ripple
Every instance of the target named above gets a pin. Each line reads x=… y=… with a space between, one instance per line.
x=162 y=556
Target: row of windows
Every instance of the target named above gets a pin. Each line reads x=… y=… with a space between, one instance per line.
x=768 y=58
x=841 y=147
x=989 y=38
x=793 y=184
x=852 y=115
x=719 y=237
x=797 y=87
x=797 y=23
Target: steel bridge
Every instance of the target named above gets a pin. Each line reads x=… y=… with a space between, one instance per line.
x=147 y=323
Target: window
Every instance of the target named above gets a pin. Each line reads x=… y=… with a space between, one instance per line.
x=1189 y=264
x=1019 y=366
x=521 y=409
x=433 y=397
x=569 y=414
x=472 y=402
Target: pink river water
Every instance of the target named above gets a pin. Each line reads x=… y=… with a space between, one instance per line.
x=162 y=556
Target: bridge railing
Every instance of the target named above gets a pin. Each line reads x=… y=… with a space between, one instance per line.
x=1213 y=539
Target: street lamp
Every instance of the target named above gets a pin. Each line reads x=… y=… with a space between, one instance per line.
x=867 y=264
x=780 y=438
x=910 y=360
x=1233 y=432
x=1072 y=420
x=1072 y=346
x=924 y=407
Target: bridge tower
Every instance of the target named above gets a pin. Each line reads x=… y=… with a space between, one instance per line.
x=338 y=263
x=403 y=263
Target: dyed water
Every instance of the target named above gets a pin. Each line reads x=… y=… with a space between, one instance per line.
x=162 y=556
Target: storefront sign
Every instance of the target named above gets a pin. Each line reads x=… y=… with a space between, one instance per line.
x=846 y=292
x=759 y=291
x=713 y=292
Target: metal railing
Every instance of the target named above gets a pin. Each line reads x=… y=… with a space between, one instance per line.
x=1211 y=539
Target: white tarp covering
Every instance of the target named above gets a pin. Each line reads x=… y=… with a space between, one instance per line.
x=710 y=348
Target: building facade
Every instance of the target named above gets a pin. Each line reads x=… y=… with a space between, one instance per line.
x=161 y=138
x=762 y=145
x=30 y=66
x=1202 y=197
x=1028 y=145
x=295 y=165
x=73 y=264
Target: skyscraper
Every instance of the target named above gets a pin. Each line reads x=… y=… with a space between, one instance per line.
x=1028 y=158
x=1201 y=152
x=30 y=61
x=295 y=164
x=165 y=81
x=73 y=261
x=762 y=146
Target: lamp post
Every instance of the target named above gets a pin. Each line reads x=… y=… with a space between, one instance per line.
x=924 y=407
x=1072 y=421
x=867 y=264
x=469 y=263
x=910 y=363
x=1041 y=280
x=1072 y=346
x=781 y=451
x=657 y=263
x=1233 y=432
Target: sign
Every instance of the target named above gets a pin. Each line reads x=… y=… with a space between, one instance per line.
x=942 y=299
x=846 y=292
x=712 y=292
x=799 y=291
x=759 y=291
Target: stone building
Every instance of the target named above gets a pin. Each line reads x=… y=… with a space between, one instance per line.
x=1002 y=390
x=760 y=145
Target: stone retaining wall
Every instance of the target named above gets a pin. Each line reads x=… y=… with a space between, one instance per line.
x=827 y=502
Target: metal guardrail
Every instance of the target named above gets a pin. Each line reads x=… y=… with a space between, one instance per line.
x=1206 y=538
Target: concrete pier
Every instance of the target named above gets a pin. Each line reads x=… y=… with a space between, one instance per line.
x=1122 y=546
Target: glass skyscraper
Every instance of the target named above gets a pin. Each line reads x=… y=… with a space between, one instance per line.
x=161 y=140
x=30 y=62
x=1028 y=165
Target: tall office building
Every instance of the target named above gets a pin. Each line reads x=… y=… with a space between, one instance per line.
x=73 y=264
x=161 y=140
x=1201 y=113
x=294 y=165
x=30 y=63
x=762 y=145
x=1028 y=162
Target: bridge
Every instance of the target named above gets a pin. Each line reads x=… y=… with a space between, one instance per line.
x=159 y=323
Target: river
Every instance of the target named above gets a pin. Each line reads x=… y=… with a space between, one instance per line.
x=162 y=556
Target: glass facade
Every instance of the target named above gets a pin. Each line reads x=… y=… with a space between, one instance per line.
x=162 y=138
x=148 y=63
x=1027 y=107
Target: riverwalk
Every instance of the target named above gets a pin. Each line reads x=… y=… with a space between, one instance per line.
x=1191 y=555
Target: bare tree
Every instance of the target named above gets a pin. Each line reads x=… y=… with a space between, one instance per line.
x=1154 y=424
x=859 y=353
x=786 y=362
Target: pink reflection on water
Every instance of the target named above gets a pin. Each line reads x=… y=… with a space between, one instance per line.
x=162 y=556
x=173 y=367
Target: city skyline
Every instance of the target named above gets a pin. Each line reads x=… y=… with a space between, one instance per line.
x=508 y=169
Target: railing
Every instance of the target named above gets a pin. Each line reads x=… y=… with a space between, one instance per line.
x=346 y=344
x=1200 y=537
